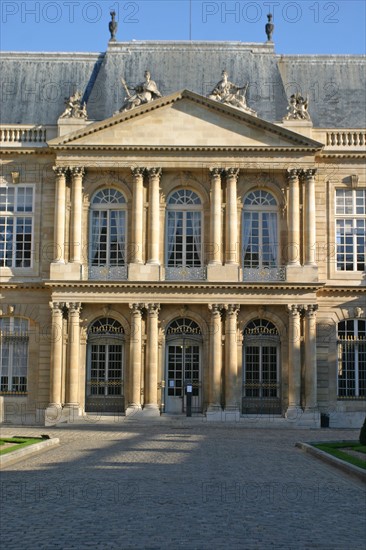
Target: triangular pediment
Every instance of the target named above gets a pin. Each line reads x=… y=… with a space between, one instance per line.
x=184 y=119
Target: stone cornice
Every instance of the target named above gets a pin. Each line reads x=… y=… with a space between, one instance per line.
x=184 y=148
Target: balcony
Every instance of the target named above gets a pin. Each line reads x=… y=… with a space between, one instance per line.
x=25 y=135
x=185 y=273
x=264 y=274
x=108 y=273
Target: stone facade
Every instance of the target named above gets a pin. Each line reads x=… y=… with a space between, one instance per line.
x=184 y=250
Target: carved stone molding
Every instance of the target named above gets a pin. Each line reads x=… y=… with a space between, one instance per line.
x=354 y=181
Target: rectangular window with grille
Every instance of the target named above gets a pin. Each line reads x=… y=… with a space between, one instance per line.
x=351 y=229
x=352 y=359
x=13 y=355
x=16 y=226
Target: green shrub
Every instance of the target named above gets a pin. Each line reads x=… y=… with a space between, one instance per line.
x=363 y=434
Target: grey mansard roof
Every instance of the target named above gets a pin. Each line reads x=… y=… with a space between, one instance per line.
x=34 y=85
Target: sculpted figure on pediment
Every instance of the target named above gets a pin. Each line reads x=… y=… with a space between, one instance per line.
x=74 y=107
x=143 y=93
x=229 y=93
x=298 y=108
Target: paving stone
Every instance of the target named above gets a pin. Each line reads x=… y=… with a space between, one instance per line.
x=179 y=484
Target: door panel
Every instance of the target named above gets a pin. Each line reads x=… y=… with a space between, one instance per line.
x=183 y=367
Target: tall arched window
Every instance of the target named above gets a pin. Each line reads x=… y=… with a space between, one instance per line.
x=184 y=235
x=352 y=359
x=108 y=213
x=260 y=230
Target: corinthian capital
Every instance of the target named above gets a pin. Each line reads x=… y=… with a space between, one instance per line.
x=154 y=173
x=215 y=309
x=308 y=174
x=137 y=171
x=60 y=170
x=77 y=171
x=215 y=172
x=292 y=174
x=232 y=309
x=232 y=173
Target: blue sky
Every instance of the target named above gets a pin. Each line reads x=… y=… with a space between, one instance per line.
x=302 y=27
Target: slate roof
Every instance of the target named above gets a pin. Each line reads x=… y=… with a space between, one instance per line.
x=34 y=85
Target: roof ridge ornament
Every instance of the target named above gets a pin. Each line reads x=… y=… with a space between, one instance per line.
x=269 y=28
x=113 y=26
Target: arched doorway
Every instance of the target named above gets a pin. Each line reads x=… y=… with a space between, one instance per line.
x=183 y=365
x=105 y=367
x=261 y=368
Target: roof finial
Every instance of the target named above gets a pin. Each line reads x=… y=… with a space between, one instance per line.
x=269 y=28
x=113 y=25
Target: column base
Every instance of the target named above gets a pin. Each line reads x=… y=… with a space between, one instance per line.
x=214 y=413
x=53 y=414
x=150 y=411
x=231 y=413
x=308 y=418
x=133 y=410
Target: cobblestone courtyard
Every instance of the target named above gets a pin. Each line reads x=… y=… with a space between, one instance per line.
x=179 y=483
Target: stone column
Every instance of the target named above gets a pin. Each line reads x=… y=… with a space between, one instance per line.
x=231 y=367
x=152 y=360
x=72 y=389
x=154 y=216
x=231 y=256
x=310 y=224
x=134 y=405
x=294 y=361
x=293 y=218
x=60 y=214
x=56 y=356
x=310 y=358
x=137 y=214
x=215 y=358
x=77 y=173
x=215 y=222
